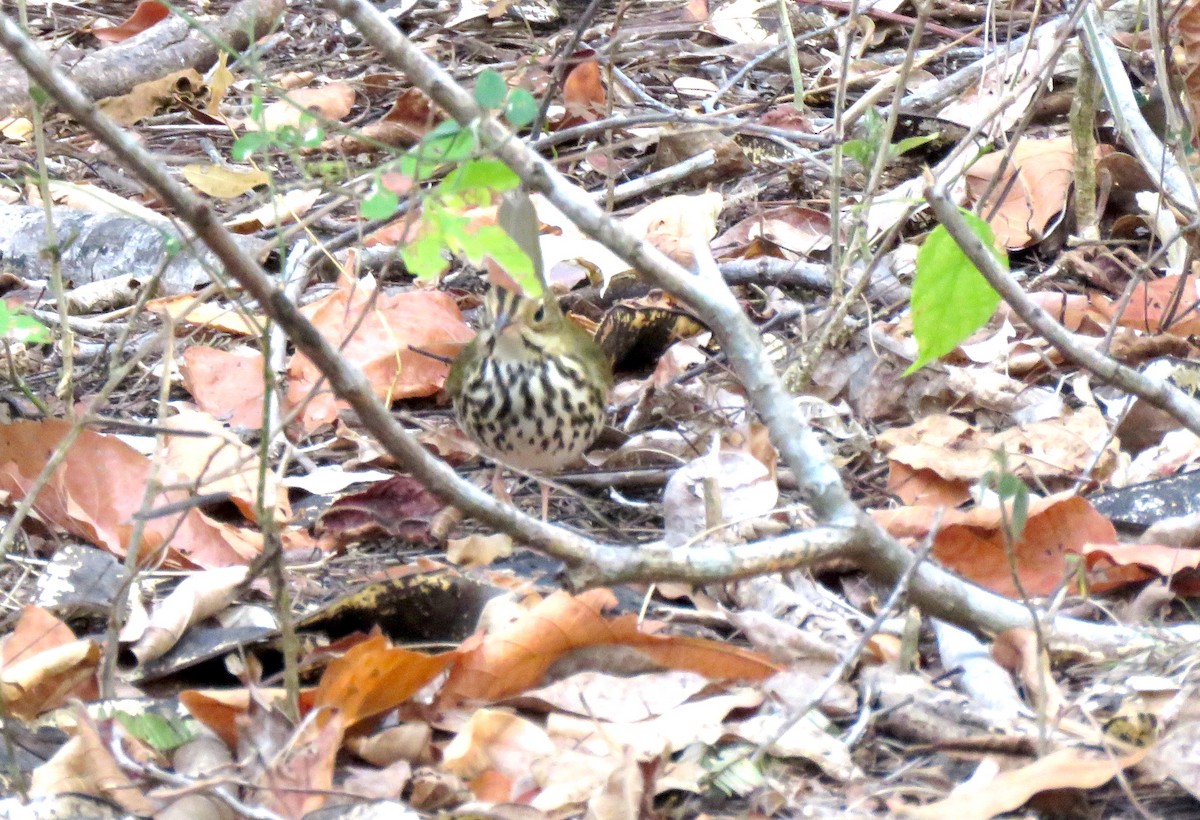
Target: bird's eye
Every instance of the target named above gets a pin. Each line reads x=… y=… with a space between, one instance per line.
x=540 y=314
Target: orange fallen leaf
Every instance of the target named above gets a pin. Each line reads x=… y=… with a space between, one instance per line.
x=219 y=709
x=924 y=487
x=1027 y=189
x=973 y=544
x=96 y=490
x=375 y=677
x=583 y=92
x=147 y=13
x=42 y=665
x=379 y=332
x=516 y=657
x=1164 y=305
x=227 y=384
x=1177 y=563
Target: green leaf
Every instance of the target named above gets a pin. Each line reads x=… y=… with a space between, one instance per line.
x=379 y=204
x=487 y=175
x=159 y=732
x=494 y=242
x=1011 y=488
x=518 y=218
x=445 y=128
x=424 y=257
x=521 y=108
x=905 y=145
x=490 y=90
x=29 y=330
x=453 y=146
x=312 y=137
x=950 y=297
x=860 y=151
x=249 y=143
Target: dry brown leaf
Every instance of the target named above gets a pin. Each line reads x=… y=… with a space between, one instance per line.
x=677 y=224
x=185 y=310
x=1060 y=448
x=222 y=181
x=1017 y=651
x=496 y=740
x=973 y=543
x=1027 y=191
x=299 y=778
x=408 y=742
x=374 y=677
x=221 y=462
x=147 y=98
x=517 y=656
x=1064 y=769
x=699 y=721
x=227 y=384
x=410 y=118
x=84 y=765
x=1187 y=23
x=787 y=232
x=619 y=699
x=198 y=596
x=808 y=738
x=479 y=550
x=283 y=209
x=95 y=492
x=332 y=102
x=742 y=485
x=42 y=664
x=383 y=330
x=397 y=507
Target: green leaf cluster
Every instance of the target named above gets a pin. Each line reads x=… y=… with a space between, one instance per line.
x=471 y=181
x=865 y=149
x=307 y=134
x=19 y=328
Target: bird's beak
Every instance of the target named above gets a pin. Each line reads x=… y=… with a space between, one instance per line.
x=505 y=310
x=503 y=318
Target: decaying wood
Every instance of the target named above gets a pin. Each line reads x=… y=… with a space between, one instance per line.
x=170 y=46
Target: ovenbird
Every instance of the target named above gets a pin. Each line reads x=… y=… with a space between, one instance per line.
x=530 y=389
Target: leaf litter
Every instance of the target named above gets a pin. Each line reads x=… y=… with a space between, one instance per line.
x=634 y=701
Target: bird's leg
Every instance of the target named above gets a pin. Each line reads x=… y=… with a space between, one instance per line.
x=499 y=488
